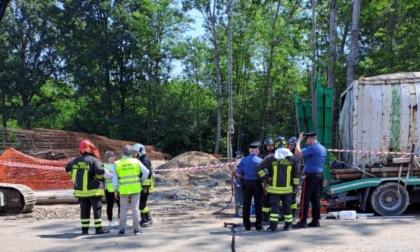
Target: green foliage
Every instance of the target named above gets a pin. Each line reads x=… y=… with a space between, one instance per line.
x=108 y=67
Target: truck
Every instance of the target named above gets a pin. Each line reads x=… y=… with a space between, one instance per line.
x=378 y=164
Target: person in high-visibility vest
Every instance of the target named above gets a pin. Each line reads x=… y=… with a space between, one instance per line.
x=130 y=174
x=266 y=206
x=87 y=173
x=109 y=158
x=280 y=173
x=139 y=152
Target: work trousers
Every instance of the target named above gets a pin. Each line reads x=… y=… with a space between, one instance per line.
x=110 y=200
x=143 y=201
x=311 y=192
x=286 y=209
x=95 y=204
x=124 y=202
x=252 y=189
x=266 y=204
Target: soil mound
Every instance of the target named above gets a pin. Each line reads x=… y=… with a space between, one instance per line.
x=191 y=168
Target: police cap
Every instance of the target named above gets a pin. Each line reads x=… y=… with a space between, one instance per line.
x=310 y=134
x=255 y=144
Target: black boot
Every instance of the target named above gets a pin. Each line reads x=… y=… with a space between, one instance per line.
x=287 y=226
x=101 y=230
x=273 y=226
x=85 y=231
x=149 y=220
x=143 y=219
x=266 y=217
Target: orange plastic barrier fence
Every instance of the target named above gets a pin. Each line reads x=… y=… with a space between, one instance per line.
x=39 y=174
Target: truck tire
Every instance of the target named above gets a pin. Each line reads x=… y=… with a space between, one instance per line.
x=389 y=199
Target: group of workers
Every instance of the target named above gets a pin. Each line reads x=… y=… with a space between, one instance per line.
x=272 y=179
x=124 y=181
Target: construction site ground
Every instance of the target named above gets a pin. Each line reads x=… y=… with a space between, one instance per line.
x=183 y=207
x=187 y=224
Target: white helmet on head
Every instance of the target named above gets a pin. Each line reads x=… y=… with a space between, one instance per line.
x=141 y=150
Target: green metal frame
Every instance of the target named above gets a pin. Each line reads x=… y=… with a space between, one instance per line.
x=366 y=182
x=324 y=119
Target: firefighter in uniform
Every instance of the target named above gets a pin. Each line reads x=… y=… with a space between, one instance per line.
x=251 y=186
x=130 y=173
x=139 y=152
x=87 y=173
x=280 y=172
x=291 y=144
x=268 y=149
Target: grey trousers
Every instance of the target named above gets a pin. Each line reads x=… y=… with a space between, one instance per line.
x=124 y=202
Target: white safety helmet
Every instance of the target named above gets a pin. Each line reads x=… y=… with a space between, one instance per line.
x=141 y=150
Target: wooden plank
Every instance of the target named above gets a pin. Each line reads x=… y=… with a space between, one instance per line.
x=404 y=144
x=386 y=117
x=366 y=131
x=356 y=123
x=376 y=125
x=416 y=137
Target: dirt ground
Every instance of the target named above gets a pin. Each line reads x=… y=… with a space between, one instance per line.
x=185 y=224
x=184 y=209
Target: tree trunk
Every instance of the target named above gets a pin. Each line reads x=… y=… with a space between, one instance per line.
x=313 y=67
x=230 y=129
x=332 y=54
x=267 y=86
x=351 y=60
x=218 y=81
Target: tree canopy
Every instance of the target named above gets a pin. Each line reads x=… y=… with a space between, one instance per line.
x=128 y=69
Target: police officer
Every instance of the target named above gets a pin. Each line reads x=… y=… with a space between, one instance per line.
x=139 y=152
x=280 y=172
x=314 y=155
x=268 y=150
x=87 y=173
x=251 y=186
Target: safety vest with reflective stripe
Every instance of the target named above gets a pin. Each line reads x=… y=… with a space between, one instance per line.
x=284 y=174
x=128 y=172
x=87 y=175
x=148 y=183
x=108 y=182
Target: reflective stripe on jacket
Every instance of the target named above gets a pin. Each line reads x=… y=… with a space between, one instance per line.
x=148 y=183
x=128 y=172
x=87 y=174
x=284 y=173
x=108 y=182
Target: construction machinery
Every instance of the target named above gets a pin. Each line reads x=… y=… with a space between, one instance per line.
x=379 y=144
x=15 y=198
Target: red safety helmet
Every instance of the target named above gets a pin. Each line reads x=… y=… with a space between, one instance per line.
x=87 y=146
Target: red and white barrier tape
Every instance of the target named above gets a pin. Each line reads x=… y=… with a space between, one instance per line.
x=371 y=152
x=55 y=168
x=206 y=167
x=23 y=165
